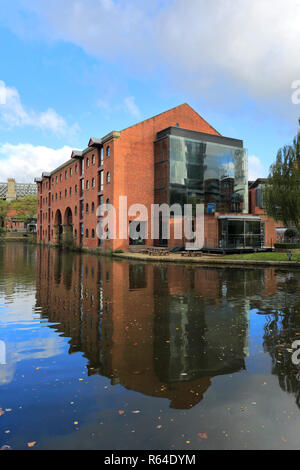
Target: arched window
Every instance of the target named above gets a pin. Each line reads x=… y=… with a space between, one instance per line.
x=93 y=159
x=108 y=151
x=93 y=234
x=87 y=233
x=87 y=208
x=87 y=185
x=75 y=233
x=108 y=177
x=93 y=182
x=75 y=210
x=87 y=163
x=107 y=201
x=93 y=207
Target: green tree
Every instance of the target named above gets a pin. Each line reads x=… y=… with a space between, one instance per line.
x=282 y=188
x=26 y=207
x=3 y=210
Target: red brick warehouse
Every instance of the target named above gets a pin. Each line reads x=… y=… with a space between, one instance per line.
x=174 y=157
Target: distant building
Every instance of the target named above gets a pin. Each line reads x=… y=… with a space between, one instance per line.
x=11 y=190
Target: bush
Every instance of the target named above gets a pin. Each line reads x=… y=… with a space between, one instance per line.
x=290 y=233
x=119 y=251
x=287 y=246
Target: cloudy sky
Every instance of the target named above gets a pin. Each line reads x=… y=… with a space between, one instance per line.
x=74 y=69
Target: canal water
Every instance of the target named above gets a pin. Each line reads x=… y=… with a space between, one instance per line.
x=104 y=354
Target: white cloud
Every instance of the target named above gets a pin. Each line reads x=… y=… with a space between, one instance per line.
x=25 y=161
x=131 y=107
x=248 y=45
x=256 y=168
x=14 y=114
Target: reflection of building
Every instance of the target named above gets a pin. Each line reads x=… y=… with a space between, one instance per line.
x=174 y=157
x=142 y=326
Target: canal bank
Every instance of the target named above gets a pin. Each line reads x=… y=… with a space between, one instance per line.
x=279 y=259
x=208 y=260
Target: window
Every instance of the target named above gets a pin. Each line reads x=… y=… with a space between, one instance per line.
x=76 y=188
x=87 y=163
x=71 y=172
x=60 y=177
x=66 y=193
x=108 y=151
x=59 y=194
x=66 y=174
x=108 y=177
x=70 y=191
x=87 y=233
x=87 y=208
x=76 y=169
x=93 y=182
x=101 y=156
x=107 y=201
x=75 y=210
x=93 y=159
x=87 y=185
x=56 y=179
x=101 y=181
x=93 y=234
x=75 y=233
x=93 y=207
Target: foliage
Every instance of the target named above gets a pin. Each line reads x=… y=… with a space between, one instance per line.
x=3 y=208
x=281 y=191
x=26 y=207
x=68 y=241
x=286 y=246
x=290 y=233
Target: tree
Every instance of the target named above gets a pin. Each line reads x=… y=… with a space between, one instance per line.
x=3 y=210
x=26 y=208
x=282 y=188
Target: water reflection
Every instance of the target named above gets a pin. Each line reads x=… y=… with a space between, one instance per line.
x=162 y=331
x=282 y=328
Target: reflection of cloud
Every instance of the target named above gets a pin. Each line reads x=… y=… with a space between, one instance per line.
x=7 y=373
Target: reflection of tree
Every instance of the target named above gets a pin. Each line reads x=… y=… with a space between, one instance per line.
x=281 y=330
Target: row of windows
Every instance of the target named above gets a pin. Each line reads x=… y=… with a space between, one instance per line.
x=45 y=233
x=70 y=172
x=87 y=187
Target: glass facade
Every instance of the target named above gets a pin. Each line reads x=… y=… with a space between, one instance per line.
x=241 y=233
x=208 y=173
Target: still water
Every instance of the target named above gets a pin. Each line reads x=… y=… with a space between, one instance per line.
x=103 y=354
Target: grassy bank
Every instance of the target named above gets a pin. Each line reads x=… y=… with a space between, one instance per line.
x=265 y=256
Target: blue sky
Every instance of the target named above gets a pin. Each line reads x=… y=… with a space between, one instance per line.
x=80 y=68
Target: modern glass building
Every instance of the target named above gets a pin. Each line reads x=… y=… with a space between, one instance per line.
x=197 y=168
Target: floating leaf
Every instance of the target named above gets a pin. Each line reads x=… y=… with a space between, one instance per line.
x=31 y=444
